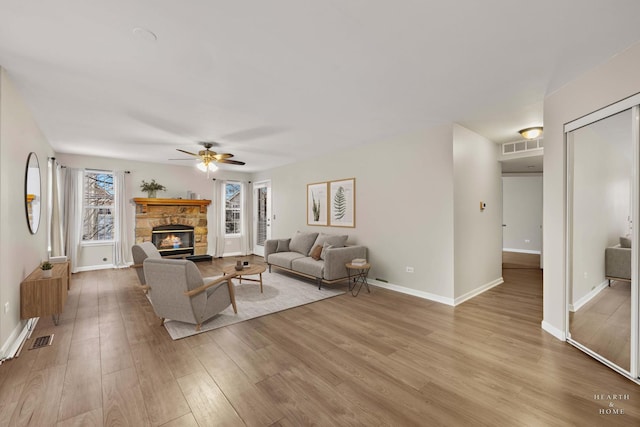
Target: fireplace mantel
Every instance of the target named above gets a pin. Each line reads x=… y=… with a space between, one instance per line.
x=144 y=202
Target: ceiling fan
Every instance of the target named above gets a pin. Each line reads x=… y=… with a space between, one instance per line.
x=208 y=158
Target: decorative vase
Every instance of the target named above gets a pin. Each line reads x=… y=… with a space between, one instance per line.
x=47 y=274
x=151 y=194
x=239 y=265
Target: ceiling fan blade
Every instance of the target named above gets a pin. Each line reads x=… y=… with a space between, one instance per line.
x=231 y=162
x=187 y=152
x=222 y=156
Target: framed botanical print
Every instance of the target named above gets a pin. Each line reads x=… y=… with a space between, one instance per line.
x=317 y=204
x=342 y=203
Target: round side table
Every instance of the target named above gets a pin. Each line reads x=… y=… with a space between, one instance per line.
x=358 y=277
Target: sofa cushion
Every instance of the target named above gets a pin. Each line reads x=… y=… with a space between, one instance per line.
x=315 y=252
x=302 y=242
x=336 y=241
x=283 y=245
x=308 y=265
x=325 y=246
x=625 y=242
x=283 y=259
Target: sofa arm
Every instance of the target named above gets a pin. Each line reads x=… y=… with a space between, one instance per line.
x=270 y=247
x=336 y=258
x=617 y=262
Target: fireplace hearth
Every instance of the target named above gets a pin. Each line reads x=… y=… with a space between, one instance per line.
x=173 y=239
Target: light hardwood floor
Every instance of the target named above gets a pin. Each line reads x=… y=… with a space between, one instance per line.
x=379 y=359
x=520 y=260
x=604 y=324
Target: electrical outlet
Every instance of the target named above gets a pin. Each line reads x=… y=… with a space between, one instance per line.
x=527 y=241
x=6 y=307
x=409 y=269
x=586 y=275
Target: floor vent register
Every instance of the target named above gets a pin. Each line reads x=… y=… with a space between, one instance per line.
x=40 y=342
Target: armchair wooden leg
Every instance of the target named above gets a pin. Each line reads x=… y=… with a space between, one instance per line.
x=198 y=327
x=161 y=321
x=232 y=295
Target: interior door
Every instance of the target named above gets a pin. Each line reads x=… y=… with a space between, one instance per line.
x=261 y=215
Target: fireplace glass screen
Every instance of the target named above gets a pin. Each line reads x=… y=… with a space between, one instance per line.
x=175 y=239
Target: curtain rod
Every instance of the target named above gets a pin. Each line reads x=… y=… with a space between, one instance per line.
x=102 y=170
x=88 y=169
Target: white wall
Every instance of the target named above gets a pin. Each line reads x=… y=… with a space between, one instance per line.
x=478 y=233
x=522 y=213
x=177 y=178
x=404 y=206
x=610 y=82
x=20 y=251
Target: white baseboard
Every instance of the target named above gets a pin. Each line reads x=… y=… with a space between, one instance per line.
x=437 y=298
x=521 y=251
x=18 y=336
x=585 y=299
x=409 y=291
x=478 y=291
x=230 y=254
x=547 y=327
x=94 y=267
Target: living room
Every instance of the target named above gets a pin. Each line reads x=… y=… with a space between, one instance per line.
x=417 y=191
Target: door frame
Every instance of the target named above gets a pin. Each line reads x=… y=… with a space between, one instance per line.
x=258 y=249
x=633 y=104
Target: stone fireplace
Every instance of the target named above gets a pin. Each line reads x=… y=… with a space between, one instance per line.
x=177 y=227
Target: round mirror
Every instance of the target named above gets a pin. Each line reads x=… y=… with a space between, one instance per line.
x=32 y=192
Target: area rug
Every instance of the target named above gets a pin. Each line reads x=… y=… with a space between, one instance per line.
x=280 y=292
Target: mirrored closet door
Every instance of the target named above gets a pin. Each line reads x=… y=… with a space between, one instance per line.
x=602 y=297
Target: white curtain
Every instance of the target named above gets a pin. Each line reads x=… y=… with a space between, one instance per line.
x=246 y=217
x=120 y=236
x=218 y=216
x=72 y=208
x=57 y=243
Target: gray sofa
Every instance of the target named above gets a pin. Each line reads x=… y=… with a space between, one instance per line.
x=617 y=261
x=318 y=256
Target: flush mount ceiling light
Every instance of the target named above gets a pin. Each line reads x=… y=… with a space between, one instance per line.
x=531 y=133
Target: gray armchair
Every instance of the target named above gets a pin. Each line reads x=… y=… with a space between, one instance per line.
x=178 y=292
x=617 y=263
x=140 y=253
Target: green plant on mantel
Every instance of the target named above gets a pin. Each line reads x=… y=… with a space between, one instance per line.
x=46 y=265
x=151 y=188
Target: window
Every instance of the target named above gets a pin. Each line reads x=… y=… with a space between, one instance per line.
x=232 y=208
x=98 y=206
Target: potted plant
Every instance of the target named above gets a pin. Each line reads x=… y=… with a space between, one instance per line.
x=151 y=188
x=46 y=268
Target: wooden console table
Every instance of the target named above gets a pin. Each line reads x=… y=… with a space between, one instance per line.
x=41 y=296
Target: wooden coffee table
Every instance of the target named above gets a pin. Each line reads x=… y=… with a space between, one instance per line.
x=248 y=270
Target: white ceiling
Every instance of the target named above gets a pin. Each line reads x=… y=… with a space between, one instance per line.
x=278 y=81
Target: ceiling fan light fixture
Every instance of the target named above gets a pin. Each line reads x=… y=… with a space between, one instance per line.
x=207 y=167
x=531 y=133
